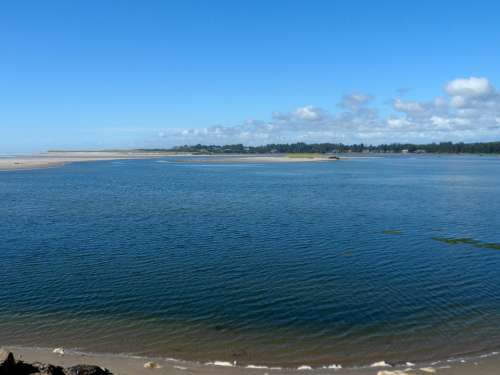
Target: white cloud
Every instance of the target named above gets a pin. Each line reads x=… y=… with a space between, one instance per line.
x=409 y=107
x=396 y=123
x=440 y=102
x=468 y=87
x=309 y=113
x=458 y=101
x=468 y=110
x=354 y=101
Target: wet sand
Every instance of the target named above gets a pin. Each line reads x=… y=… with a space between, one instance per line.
x=132 y=365
x=242 y=159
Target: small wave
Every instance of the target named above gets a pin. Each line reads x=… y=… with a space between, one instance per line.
x=221 y=364
x=381 y=364
x=304 y=367
x=172 y=359
x=332 y=367
x=487 y=355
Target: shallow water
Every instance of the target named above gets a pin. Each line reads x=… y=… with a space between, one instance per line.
x=277 y=264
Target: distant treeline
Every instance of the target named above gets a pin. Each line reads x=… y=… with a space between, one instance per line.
x=443 y=147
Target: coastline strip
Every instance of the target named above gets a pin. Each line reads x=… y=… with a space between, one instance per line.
x=486 y=364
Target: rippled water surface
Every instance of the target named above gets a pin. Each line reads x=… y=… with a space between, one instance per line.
x=280 y=264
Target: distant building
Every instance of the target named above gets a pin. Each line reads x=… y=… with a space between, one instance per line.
x=405 y=151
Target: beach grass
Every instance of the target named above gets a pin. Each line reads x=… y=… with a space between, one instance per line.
x=304 y=155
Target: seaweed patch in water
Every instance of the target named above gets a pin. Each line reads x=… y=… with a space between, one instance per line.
x=494 y=246
x=392 y=231
x=456 y=241
x=468 y=241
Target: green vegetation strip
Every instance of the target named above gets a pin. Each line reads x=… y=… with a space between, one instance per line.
x=322 y=148
x=468 y=241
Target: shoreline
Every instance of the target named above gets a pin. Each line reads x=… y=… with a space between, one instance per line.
x=124 y=364
x=53 y=159
x=58 y=159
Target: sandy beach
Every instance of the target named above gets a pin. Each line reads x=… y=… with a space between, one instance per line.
x=55 y=159
x=134 y=365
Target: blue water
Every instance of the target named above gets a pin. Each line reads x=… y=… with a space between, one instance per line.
x=279 y=264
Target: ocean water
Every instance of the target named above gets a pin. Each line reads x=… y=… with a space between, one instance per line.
x=348 y=262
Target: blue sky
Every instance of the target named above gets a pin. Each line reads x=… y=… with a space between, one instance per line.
x=101 y=74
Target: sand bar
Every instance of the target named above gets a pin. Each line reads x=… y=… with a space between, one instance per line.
x=55 y=159
x=249 y=159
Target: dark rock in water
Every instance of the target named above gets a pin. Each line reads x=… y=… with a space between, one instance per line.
x=45 y=369
x=87 y=370
x=25 y=368
x=9 y=366
x=7 y=363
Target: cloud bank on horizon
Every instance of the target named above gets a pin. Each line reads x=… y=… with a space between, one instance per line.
x=468 y=110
